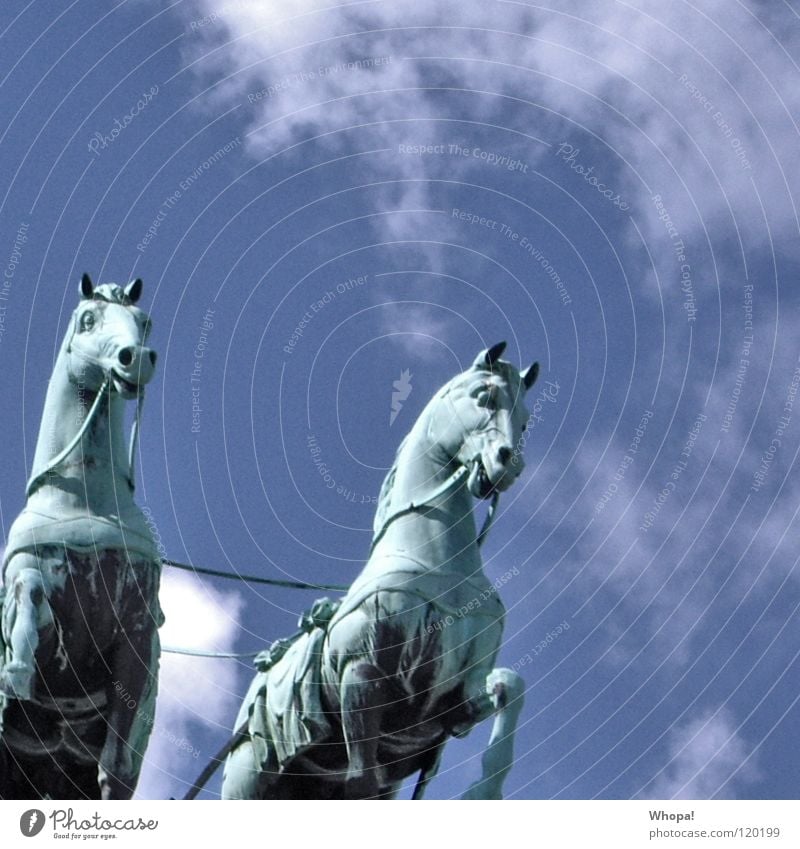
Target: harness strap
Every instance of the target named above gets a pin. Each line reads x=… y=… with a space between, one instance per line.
x=34 y=482
x=487 y=522
x=239 y=736
x=135 y=440
x=413 y=506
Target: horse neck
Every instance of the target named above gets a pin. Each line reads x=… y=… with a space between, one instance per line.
x=442 y=534
x=94 y=475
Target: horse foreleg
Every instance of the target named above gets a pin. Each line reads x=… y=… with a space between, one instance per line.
x=363 y=693
x=131 y=713
x=25 y=612
x=505 y=690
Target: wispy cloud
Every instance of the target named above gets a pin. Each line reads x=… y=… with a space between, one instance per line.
x=707 y=759
x=691 y=103
x=416 y=329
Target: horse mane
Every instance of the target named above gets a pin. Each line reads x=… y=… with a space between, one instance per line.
x=383 y=509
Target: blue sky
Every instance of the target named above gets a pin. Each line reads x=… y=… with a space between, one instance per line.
x=610 y=187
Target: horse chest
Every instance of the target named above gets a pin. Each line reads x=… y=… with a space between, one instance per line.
x=94 y=596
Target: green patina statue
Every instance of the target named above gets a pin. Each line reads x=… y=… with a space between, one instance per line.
x=81 y=574
x=369 y=690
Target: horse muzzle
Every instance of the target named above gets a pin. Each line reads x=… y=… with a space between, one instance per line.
x=133 y=369
x=483 y=485
x=489 y=476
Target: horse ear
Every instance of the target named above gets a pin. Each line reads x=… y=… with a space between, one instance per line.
x=487 y=359
x=133 y=291
x=87 y=287
x=529 y=376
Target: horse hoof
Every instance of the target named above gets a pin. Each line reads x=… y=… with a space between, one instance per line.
x=506 y=682
x=362 y=786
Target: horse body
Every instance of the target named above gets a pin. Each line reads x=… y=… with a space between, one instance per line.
x=367 y=699
x=81 y=575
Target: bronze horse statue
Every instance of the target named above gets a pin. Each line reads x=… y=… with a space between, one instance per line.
x=81 y=574
x=370 y=689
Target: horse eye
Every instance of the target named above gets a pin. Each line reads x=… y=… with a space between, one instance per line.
x=484 y=398
x=87 y=321
x=524 y=427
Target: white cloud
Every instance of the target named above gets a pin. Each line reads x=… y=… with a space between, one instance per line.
x=695 y=102
x=195 y=694
x=702 y=558
x=707 y=759
x=417 y=329
x=701 y=92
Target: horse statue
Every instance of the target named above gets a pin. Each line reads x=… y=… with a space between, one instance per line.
x=368 y=691
x=79 y=646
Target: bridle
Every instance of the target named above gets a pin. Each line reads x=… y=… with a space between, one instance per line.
x=449 y=483
x=416 y=506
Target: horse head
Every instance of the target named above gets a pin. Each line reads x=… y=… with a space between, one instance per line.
x=107 y=339
x=481 y=427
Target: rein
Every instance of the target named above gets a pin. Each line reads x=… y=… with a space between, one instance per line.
x=134 y=441
x=414 y=506
x=487 y=522
x=105 y=388
x=34 y=482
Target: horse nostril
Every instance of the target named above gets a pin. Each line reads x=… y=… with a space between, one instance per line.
x=504 y=454
x=125 y=356
x=153 y=358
